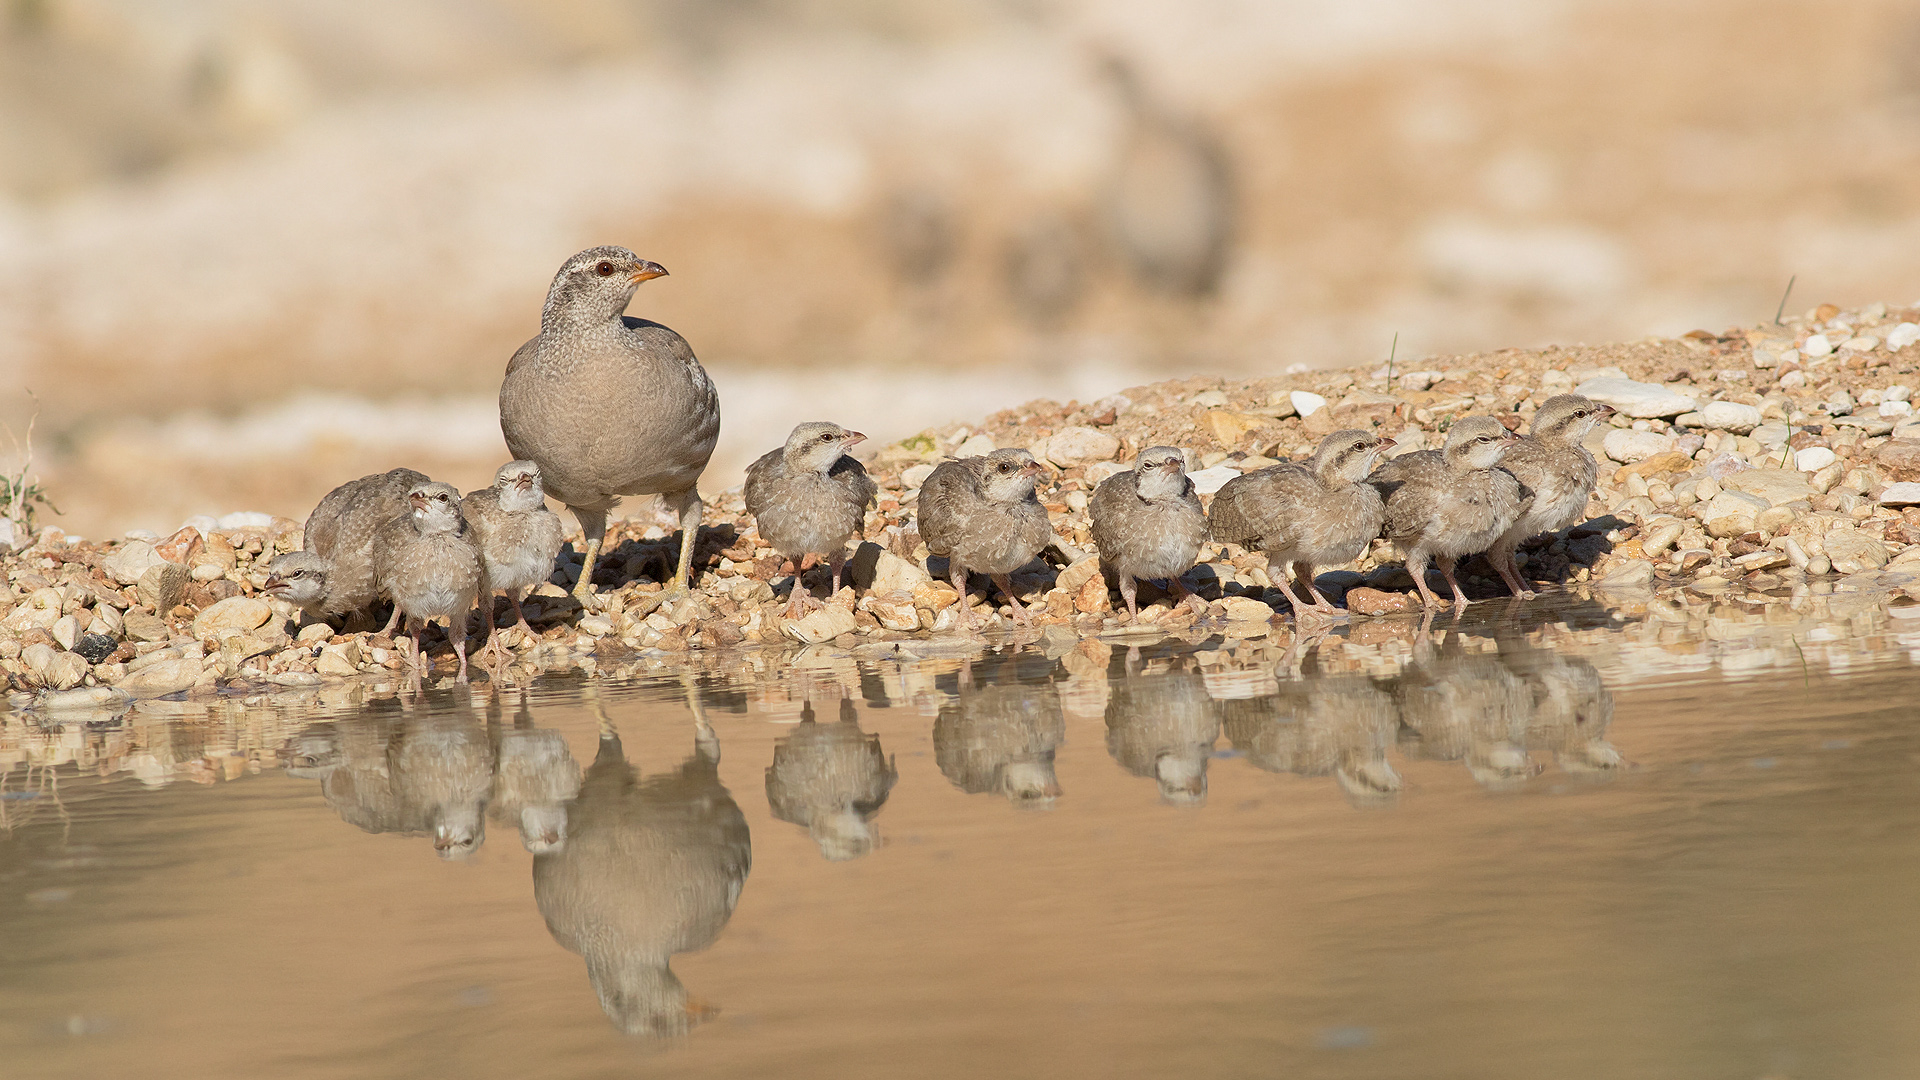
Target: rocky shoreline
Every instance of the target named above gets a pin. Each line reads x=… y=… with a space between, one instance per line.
x=1756 y=465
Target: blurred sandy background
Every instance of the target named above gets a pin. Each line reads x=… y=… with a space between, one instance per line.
x=251 y=249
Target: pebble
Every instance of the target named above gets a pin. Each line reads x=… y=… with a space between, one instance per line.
x=1776 y=486
x=1076 y=446
x=1852 y=552
x=1636 y=399
x=1730 y=416
x=130 y=561
x=1731 y=513
x=1364 y=601
x=234 y=615
x=1813 y=459
x=1208 y=481
x=820 y=626
x=1632 y=573
x=1627 y=446
x=1817 y=345
x=915 y=475
x=1903 y=335
x=977 y=446
x=1306 y=402
x=1904 y=493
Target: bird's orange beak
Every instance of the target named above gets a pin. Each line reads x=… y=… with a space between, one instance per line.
x=648 y=271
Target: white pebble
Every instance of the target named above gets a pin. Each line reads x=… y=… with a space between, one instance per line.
x=1903 y=335
x=1895 y=408
x=978 y=446
x=1208 y=481
x=1863 y=343
x=1813 y=459
x=1627 y=446
x=1306 y=402
x=1730 y=416
x=1817 y=345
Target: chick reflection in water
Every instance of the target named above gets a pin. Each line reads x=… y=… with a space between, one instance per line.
x=1341 y=725
x=650 y=868
x=1572 y=708
x=1162 y=724
x=533 y=781
x=832 y=779
x=1000 y=733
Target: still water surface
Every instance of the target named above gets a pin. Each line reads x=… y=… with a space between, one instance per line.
x=1642 y=842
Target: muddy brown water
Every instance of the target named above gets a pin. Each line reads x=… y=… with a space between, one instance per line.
x=1643 y=840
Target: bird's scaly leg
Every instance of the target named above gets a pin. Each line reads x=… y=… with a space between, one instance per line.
x=1417 y=566
x=1304 y=571
x=1185 y=596
x=691 y=508
x=959 y=575
x=1130 y=592
x=457 y=630
x=1006 y=586
x=839 y=563
x=1277 y=573
x=1446 y=571
x=593 y=528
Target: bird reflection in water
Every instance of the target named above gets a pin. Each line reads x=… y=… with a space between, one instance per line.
x=1338 y=725
x=534 y=778
x=384 y=772
x=1572 y=708
x=1161 y=723
x=650 y=868
x=1000 y=733
x=832 y=779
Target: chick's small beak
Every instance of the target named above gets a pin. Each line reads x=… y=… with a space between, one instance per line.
x=648 y=271
x=419 y=501
x=852 y=437
x=1033 y=468
x=1386 y=443
x=275 y=581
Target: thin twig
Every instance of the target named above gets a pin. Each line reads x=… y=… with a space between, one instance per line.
x=1391 y=351
x=1782 y=309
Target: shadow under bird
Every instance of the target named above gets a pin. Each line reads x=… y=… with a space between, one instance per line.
x=831 y=779
x=1163 y=725
x=428 y=560
x=809 y=498
x=1148 y=524
x=1552 y=463
x=333 y=576
x=651 y=868
x=1001 y=732
x=518 y=537
x=1319 y=512
x=1450 y=503
x=982 y=514
x=609 y=405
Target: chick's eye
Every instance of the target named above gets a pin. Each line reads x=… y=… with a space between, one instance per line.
x=828 y=437
x=603 y=268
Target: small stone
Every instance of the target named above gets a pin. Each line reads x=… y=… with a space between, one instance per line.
x=1852 y=552
x=1900 y=457
x=141 y=627
x=821 y=626
x=129 y=561
x=1730 y=416
x=1775 y=519
x=1904 y=493
x=1074 y=446
x=894 y=611
x=1731 y=513
x=892 y=574
x=1228 y=428
x=978 y=446
x=1627 y=446
x=181 y=547
x=1671 y=461
x=1630 y=574
x=1776 y=486
x=163 y=586
x=234 y=615
x=1903 y=335
x=1092 y=599
x=65 y=631
x=1365 y=601
x=1861 y=343
x=53 y=669
x=595 y=625
x=95 y=647
x=1306 y=402
x=913 y=476
x=1817 y=345
x=1895 y=408
x=1636 y=399
x=1245 y=609
x=1208 y=481
x=1813 y=459
x=1076 y=575
x=1208 y=399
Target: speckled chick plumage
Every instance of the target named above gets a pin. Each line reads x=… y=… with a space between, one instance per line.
x=809 y=497
x=518 y=536
x=1001 y=733
x=428 y=560
x=982 y=514
x=831 y=779
x=1147 y=522
x=442 y=766
x=534 y=779
x=1319 y=512
x=333 y=576
x=1552 y=463
x=1338 y=725
x=1446 y=504
x=606 y=404
x=650 y=868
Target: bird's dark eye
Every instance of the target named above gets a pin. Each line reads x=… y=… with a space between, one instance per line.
x=299 y=573
x=828 y=437
x=603 y=268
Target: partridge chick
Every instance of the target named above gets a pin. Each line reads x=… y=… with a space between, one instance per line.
x=1147 y=523
x=982 y=514
x=1448 y=503
x=517 y=535
x=1551 y=462
x=808 y=498
x=1318 y=512
x=610 y=405
x=429 y=561
x=333 y=576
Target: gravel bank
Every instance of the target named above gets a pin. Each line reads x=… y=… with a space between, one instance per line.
x=1755 y=466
